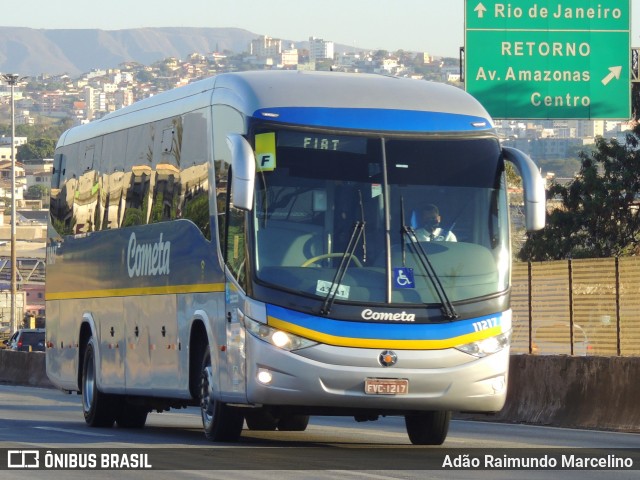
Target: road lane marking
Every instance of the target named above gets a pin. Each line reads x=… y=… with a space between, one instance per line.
x=79 y=432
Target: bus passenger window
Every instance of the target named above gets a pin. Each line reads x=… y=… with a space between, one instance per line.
x=195 y=185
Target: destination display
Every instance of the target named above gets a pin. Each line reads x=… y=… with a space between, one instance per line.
x=545 y=60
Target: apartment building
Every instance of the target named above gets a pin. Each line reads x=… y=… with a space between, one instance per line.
x=266 y=47
x=320 y=49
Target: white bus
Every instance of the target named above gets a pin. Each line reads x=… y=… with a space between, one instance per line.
x=255 y=244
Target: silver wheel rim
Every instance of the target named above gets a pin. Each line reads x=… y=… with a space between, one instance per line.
x=206 y=400
x=89 y=385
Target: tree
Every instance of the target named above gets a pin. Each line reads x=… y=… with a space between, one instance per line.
x=45 y=128
x=63 y=227
x=37 y=192
x=36 y=149
x=143 y=76
x=513 y=177
x=598 y=212
x=380 y=55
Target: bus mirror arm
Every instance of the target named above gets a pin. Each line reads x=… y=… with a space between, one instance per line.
x=533 y=188
x=243 y=171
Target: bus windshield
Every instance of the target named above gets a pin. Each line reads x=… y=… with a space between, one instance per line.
x=380 y=219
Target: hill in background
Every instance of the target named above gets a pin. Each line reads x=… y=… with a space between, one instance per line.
x=29 y=51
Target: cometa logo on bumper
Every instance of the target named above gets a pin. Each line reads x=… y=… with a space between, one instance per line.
x=369 y=314
x=148 y=259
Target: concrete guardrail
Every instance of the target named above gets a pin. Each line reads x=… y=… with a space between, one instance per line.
x=23 y=368
x=599 y=393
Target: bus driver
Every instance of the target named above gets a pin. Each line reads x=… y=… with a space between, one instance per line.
x=429 y=228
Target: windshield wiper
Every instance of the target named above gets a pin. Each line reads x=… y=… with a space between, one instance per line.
x=447 y=308
x=364 y=234
x=356 y=233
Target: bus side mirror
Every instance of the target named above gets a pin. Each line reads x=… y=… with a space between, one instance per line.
x=533 y=186
x=243 y=171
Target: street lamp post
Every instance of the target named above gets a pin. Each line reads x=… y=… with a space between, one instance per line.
x=12 y=80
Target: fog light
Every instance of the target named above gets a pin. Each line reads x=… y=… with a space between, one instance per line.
x=498 y=384
x=264 y=377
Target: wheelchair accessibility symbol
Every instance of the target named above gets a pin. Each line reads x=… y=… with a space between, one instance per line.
x=403 y=277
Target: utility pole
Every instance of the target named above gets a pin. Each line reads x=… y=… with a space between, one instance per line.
x=12 y=80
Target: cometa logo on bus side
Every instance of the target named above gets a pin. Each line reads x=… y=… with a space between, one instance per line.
x=148 y=259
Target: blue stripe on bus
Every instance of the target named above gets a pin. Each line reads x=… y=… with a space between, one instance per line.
x=369 y=330
x=375 y=119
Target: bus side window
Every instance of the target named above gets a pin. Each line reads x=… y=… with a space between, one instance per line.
x=235 y=238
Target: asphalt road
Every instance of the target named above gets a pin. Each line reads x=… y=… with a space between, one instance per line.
x=50 y=422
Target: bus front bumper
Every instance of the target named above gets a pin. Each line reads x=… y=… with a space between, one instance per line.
x=337 y=377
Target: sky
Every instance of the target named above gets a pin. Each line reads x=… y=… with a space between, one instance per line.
x=432 y=26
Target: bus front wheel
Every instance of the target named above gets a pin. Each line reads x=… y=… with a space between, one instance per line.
x=261 y=419
x=131 y=416
x=98 y=408
x=221 y=422
x=428 y=428
x=293 y=423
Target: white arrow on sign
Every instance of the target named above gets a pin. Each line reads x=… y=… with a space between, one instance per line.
x=480 y=9
x=614 y=72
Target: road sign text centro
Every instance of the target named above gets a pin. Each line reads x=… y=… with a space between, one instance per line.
x=543 y=59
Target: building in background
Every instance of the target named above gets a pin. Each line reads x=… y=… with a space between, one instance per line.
x=265 y=47
x=320 y=49
x=289 y=57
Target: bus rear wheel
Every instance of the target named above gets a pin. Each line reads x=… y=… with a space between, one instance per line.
x=428 y=428
x=221 y=422
x=98 y=408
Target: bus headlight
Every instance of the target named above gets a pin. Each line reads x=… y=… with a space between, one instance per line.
x=488 y=346
x=277 y=338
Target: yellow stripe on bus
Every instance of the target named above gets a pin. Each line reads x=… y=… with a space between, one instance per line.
x=124 y=292
x=383 y=342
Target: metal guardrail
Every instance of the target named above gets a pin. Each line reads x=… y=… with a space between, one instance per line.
x=30 y=270
x=577 y=307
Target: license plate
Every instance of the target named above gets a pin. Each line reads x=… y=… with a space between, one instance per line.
x=386 y=386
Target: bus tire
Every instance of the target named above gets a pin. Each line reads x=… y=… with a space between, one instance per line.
x=98 y=407
x=293 y=423
x=131 y=416
x=428 y=428
x=261 y=419
x=221 y=422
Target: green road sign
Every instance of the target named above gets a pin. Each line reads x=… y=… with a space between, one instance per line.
x=544 y=59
